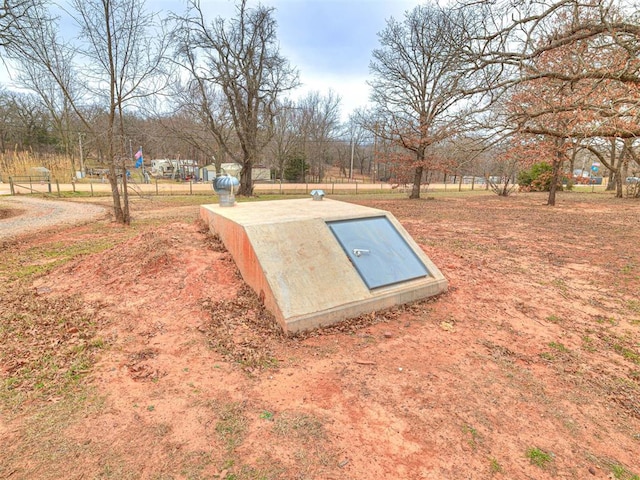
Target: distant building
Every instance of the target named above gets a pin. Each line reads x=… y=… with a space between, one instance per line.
x=174 y=168
x=259 y=173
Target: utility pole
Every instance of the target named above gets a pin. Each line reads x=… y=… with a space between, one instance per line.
x=376 y=167
x=81 y=155
x=353 y=147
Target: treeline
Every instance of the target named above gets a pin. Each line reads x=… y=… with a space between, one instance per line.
x=304 y=150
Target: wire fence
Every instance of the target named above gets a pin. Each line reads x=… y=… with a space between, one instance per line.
x=155 y=187
x=101 y=187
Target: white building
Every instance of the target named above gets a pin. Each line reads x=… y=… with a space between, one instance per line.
x=258 y=172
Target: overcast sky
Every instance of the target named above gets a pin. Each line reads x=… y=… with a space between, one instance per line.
x=329 y=41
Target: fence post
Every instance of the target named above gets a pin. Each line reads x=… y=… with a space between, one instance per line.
x=91 y=185
x=13 y=192
x=156 y=186
x=356 y=188
x=190 y=187
x=58 y=186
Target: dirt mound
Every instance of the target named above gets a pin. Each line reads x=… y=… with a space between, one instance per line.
x=169 y=266
x=527 y=368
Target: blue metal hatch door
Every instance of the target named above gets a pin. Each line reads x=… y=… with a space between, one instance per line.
x=376 y=249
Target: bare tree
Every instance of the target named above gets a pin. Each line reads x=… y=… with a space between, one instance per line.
x=116 y=62
x=287 y=138
x=125 y=56
x=34 y=76
x=24 y=122
x=13 y=14
x=240 y=58
x=375 y=129
x=320 y=119
x=420 y=79
x=201 y=118
x=361 y=143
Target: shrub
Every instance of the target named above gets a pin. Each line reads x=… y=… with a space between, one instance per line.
x=537 y=178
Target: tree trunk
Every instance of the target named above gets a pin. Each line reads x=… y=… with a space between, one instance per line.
x=613 y=172
x=417 y=180
x=115 y=193
x=505 y=189
x=611 y=182
x=554 y=185
x=619 y=185
x=246 y=185
x=572 y=160
x=623 y=167
x=555 y=174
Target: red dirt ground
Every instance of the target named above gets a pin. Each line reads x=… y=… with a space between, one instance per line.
x=535 y=346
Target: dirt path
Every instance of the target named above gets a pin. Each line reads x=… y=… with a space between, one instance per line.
x=20 y=215
x=528 y=368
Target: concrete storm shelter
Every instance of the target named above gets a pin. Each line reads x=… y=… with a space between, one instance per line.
x=315 y=263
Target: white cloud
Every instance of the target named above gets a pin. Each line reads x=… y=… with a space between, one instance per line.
x=331 y=41
x=353 y=90
x=328 y=41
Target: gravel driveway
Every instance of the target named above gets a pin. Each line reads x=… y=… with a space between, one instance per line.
x=37 y=214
